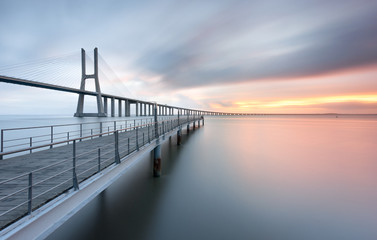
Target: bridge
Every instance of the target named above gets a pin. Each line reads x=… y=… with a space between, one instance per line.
x=43 y=166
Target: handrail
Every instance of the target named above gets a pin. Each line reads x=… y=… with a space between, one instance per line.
x=72 y=124
x=70 y=140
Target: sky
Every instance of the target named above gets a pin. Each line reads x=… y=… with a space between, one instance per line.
x=260 y=56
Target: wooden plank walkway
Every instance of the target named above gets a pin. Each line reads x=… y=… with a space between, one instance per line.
x=52 y=169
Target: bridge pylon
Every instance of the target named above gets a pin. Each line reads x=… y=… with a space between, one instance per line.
x=84 y=77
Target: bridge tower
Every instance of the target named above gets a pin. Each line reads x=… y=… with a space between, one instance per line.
x=84 y=77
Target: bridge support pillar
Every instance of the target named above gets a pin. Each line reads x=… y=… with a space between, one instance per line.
x=125 y=108
x=137 y=109
x=128 y=108
x=84 y=77
x=105 y=105
x=112 y=107
x=119 y=107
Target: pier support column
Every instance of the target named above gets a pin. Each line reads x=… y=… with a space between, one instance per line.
x=193 y=125
x=137 y=109
x=157 y=161
x=179 y=134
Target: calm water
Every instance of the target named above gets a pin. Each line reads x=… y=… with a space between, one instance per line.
x=270 y=177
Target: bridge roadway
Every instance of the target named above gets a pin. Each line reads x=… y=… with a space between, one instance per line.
x=52 y=169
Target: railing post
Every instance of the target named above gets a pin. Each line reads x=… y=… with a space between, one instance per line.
x=128 y=143
x=30 y=193
x=117 y=158
x=115 y=125
x=31 y=144
x=67 y=138
x=52 y=135
x=100 y=129
x=91 y=133
x=137 y=139
x=178 y=115
x=2 y=143
x=149 y=137
x=74 y=176
x=155 y=121
x=80 y=131
x=143 y=140
x=99 y=159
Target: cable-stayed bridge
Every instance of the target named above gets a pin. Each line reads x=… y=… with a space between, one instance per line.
x=42 y=78
x=45 y=168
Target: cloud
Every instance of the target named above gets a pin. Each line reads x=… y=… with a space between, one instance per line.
x=264 y=49
x=193 y=45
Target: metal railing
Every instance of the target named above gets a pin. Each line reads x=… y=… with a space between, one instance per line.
x=13 y=139
x=22 y=194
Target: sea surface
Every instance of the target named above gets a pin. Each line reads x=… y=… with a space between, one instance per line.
x=257 y=177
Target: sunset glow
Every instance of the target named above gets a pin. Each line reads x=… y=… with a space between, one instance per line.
x=310 y=101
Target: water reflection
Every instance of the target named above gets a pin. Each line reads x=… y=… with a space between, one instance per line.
x=247 y=178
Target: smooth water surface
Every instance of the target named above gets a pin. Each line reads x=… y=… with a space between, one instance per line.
x=260 y=177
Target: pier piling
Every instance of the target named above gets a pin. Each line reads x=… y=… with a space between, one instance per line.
x=157 y=161
x=179 y=137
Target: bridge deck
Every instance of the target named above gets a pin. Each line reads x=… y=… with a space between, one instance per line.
x=52 y=169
